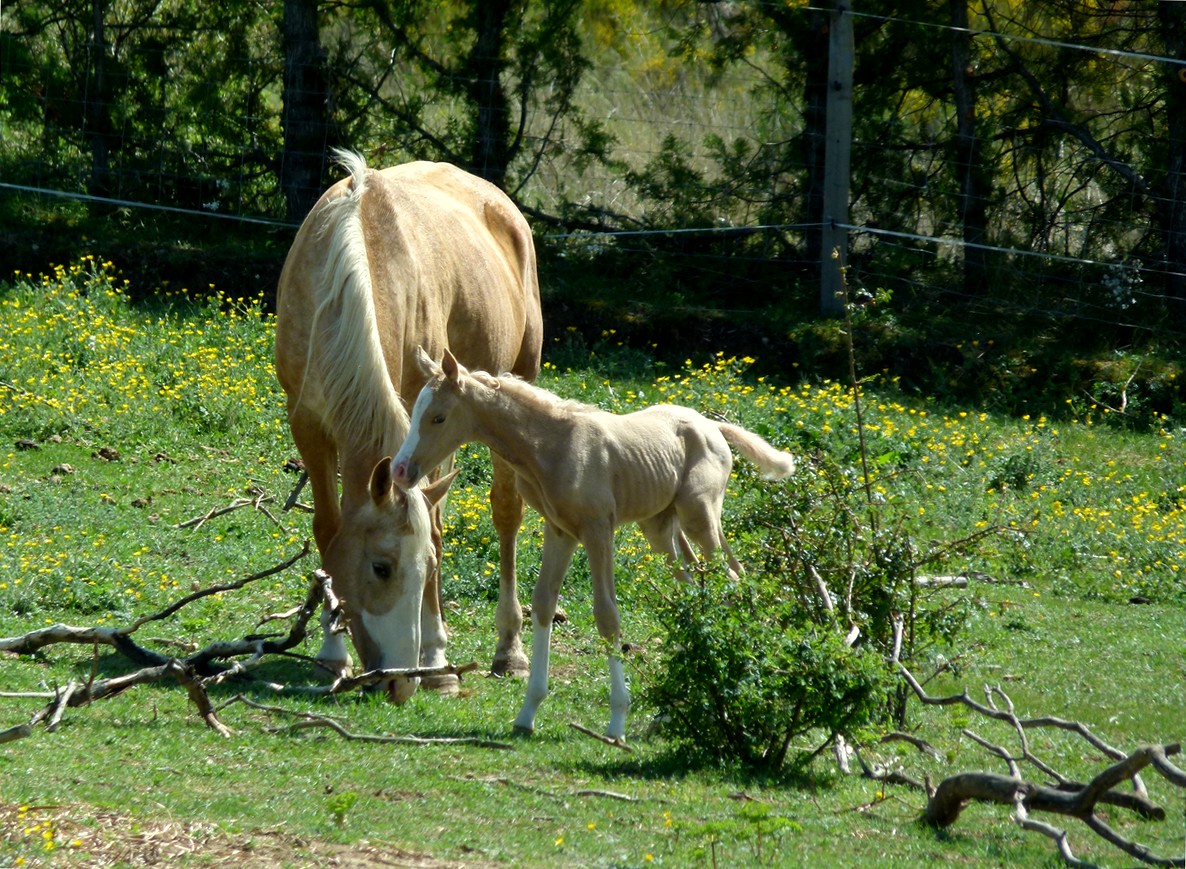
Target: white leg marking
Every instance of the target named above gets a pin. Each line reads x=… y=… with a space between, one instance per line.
x=334 y=655
x=537 y=682
x=619 y=699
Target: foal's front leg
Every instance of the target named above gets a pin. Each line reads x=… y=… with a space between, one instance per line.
x=554 y=561
x=600 y=549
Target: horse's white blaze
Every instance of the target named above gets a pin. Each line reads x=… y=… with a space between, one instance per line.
x=397 y=633
x=407 y=475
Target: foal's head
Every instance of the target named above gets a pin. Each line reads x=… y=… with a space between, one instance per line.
x=442 y=418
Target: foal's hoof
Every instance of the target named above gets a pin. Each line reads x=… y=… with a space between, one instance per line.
x=446 y=686
x=520 y=730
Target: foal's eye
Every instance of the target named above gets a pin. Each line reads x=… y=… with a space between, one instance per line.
x=438 y=419
x=381 y=570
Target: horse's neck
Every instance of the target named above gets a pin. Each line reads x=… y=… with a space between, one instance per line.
x=515 y=424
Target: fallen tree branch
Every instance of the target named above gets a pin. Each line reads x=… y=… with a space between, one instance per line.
x=377 y=677
x=307 y=720
x=1065 y=797
x=256 y=503
x=608 y=740
x=192 y=672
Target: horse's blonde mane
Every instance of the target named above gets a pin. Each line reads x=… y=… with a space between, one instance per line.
x=360 y=398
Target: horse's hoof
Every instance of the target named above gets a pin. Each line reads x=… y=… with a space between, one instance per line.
x=520 y=730
x=446 y=686
x=516 y=666
x=332 y=669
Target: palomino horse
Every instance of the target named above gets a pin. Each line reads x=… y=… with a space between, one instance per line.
x=420 y=254
x=586 y=471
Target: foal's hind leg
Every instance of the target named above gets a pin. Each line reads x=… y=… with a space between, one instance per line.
x=663 y=533
x=506 y=509
x=701 y=520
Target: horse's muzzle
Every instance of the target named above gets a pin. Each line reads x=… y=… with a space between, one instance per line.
x=405 y=473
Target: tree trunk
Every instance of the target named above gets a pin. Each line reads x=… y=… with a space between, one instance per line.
x=306 y=113
x=486 y=64
x=969 y=159
x=1173 y=203
x=815 y=125
x=98 y=104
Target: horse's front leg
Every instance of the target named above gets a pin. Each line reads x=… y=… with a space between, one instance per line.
x=600 y=549
x=433 y=636
x=554 y=561
x=506 y=510
x=320 y=456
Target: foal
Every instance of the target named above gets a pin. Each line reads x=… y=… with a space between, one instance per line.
x=586 y=471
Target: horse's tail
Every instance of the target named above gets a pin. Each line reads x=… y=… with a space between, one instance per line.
x=773 y=463
x=362 y=401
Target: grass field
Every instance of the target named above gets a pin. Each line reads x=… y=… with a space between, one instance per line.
x=122 y=421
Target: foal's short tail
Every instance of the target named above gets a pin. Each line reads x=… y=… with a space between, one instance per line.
x=774 y=464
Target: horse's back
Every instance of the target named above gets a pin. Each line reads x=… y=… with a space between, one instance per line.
x=449 y=262
x=460 y=244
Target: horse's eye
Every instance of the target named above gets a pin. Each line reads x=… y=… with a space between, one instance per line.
x=381 y=570
x=438 y=419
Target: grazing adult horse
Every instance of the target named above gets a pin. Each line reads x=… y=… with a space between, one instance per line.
x=387 y=260
x=586 y=471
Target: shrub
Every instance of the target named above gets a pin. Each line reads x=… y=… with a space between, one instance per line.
x=742 y=676
x=803 y=646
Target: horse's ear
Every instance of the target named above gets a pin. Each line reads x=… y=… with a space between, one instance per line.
x=427 y=367
x=381 y=481
x=435 y=492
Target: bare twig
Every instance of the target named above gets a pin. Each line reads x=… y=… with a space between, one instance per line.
x=218 y=589
x=608 y=740
x=308 y=720
x=256 y=503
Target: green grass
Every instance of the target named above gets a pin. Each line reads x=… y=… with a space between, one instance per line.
x=184 y=392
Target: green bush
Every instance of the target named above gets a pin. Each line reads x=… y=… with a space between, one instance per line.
x=743 y=675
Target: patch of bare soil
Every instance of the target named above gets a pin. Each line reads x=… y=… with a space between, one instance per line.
x=68 y=836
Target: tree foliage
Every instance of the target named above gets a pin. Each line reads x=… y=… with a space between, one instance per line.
x=1051 y=127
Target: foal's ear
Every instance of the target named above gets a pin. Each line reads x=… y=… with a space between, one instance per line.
x=449 y=366
x=434 y=493
x=425 y=363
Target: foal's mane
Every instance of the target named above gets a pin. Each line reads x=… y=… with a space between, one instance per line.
x=532 y=396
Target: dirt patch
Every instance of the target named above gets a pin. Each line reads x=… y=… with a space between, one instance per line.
x=65 y=836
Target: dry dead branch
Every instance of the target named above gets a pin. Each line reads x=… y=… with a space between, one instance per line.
x=608 y=740
x=214 y=664
x=256 y=502
x=1062 y=796
x=307 y=720
x=194 y=671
